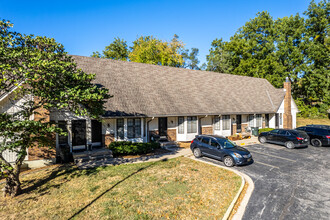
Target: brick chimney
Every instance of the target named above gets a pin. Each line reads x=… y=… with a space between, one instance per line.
x=287 y=117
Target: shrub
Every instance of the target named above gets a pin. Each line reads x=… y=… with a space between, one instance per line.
x=265 y=129
x=129 y=148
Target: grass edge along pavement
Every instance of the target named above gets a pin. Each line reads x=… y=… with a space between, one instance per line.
x=86 y=184
x=246 y=197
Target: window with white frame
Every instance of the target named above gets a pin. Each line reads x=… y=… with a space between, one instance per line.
x=192 y=124
x=226 y=122
x=133 y=128
x=217 y=123
x=251 y=121
x=120 y=128
x=180 y=125
x=259 y=120
x=281 y=118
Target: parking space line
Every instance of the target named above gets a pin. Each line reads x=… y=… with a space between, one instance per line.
x=267 y=164
x=283 y=158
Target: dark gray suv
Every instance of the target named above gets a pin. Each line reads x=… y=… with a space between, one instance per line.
x=220 y=148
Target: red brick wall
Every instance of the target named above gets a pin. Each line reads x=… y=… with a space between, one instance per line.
x=234 y=130
x=287 y=116
x=207 y=130
x=171 y=134
x=107 y=139
x=39 y=153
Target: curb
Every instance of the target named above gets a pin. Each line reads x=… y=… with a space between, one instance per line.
x=245 y=178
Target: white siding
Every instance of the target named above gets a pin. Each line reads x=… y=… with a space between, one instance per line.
x=12 y=106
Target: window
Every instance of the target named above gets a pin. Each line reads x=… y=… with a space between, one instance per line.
x=61 y=138
x=259 y=120
x=280 y=118
x=120 y=128
x=275 y=131
x=181 y=125
x=206 y=140
x=282 y=132
x=217 y=123
x=214 y=143
x=251 y=121
x=192 y=124
x=226 y=122
x=133 y=128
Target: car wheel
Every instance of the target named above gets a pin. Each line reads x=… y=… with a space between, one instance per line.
x=316 y=142
x=228 y=161
x=262 y=140
x=289 y=145
x=197 y=152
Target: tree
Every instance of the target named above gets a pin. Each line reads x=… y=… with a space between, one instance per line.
x=154 y=51
x=190 y=59
x=219 y=59
x=45 y=77
x=316 y=80
x=117 y=50
x=290 y=46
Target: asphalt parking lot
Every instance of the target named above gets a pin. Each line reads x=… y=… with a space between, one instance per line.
x=289 y=184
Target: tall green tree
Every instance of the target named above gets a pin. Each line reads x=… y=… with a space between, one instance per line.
x=289 y=49
x=117 y=50
x=43 y=76
x=316 y=79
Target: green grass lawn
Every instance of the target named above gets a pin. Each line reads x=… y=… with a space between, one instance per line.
x=307 y=121
x=179 y=188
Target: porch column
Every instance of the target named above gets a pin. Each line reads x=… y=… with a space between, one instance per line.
x=69 y=128
x=88 y=131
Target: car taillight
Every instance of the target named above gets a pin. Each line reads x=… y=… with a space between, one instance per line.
x=192 y=141
x=328 y=136
x=299 y=138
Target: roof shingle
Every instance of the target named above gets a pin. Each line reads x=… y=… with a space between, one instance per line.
x=151 y=90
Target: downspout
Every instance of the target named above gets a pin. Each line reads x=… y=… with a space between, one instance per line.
x=147 y=131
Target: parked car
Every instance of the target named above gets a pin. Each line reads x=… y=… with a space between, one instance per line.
x=320 y=126
x=318 y=134
x=287 y=137
x=220 y=148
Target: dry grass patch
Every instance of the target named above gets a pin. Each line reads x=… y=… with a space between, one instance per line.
x=308 y=121
x=178 y=188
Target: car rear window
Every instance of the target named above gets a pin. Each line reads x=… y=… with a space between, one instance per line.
x=298 y=133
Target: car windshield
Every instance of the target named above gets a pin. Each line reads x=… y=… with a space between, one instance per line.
x=225 y=143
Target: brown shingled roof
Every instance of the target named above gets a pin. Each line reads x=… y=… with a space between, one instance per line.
x=151 y=90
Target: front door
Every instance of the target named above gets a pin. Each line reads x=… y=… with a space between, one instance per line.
x=162 y=126
x=267 y=120
x=239 y=123
x=78 y=132
x=96 y=133
x=277 y=120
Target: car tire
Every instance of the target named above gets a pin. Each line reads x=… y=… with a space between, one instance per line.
x=228 y=161
x=262 y=139
x=197 y=152
x=289 y=145
x=316 y=142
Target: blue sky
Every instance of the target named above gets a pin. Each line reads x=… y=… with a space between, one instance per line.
x=86 y=26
